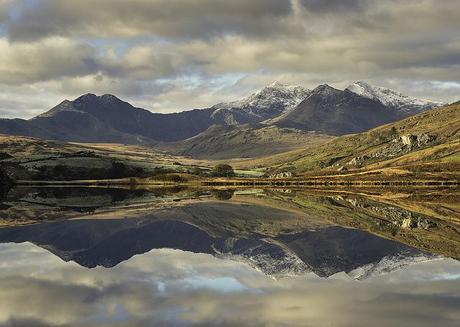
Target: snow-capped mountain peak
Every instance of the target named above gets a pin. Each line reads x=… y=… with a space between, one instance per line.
x=325 y=90
x=276 y=84
x=271 y=101
x=276 y=93
x=391 y=98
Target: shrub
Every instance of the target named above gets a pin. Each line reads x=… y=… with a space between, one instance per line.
x=118 y=170
x=223 y=170
x=5 y=183
x=223 y=194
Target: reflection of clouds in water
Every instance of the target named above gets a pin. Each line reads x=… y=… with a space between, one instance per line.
x=218 y=284
x=169 y=286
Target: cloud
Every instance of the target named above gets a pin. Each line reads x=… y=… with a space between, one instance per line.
x=319 y=6
x=170 y=287
x=5 y=7
x=161 y=53
x=48 y=59
x=157 y=18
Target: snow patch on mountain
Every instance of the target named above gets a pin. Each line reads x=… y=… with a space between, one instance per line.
x=268 y=102
x=389 y=264
x=278 y=261
x=403 y=103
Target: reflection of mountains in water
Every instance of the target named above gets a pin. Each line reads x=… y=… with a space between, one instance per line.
x=324 y=251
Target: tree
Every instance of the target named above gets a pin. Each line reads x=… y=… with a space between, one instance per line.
x=223 y=170
x=5 y=182
x=223 y=194
x=118 y=170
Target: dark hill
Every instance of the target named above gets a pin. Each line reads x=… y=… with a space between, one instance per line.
x=337 y=112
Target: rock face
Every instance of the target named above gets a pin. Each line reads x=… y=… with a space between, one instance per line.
x=284 y=174
x=399 y=145
x=416 y=141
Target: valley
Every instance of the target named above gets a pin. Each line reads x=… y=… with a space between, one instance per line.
x=229 y=163
x=279 y=132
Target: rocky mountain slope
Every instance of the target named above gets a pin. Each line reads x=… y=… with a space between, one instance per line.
x=270 y=102
x=423 y=142
x=336 y=112
x=106 y=118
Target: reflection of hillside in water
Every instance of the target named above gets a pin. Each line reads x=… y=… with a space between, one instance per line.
x=281 y=233
x=429 y=221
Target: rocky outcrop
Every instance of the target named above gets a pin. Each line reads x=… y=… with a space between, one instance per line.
x=398 y=146
x=417 y=222
x=415 y=141
x=284 y=174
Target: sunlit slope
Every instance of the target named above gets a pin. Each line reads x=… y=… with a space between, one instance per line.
x=425 y=142
x=245 y=141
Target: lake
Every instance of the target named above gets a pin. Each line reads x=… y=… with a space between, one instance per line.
x=80 y=256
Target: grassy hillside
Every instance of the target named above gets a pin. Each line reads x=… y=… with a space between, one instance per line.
x=28 y=158
x=225 y=142
x=427 y=142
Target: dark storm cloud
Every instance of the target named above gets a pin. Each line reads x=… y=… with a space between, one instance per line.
x=157 y=18
x=321 y=6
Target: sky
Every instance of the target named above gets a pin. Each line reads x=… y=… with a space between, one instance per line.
x=174 y=55
x=171 y=287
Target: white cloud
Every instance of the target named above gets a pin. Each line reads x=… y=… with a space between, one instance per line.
x=168 y=55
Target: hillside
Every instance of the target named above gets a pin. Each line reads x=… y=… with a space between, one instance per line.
x=337 y=112
x=26 y=158
x=244 y=141
x=392 y=99
x=424 y=142
x=271 y=101
x=108 y=119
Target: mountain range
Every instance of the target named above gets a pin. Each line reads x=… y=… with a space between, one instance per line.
x=106 y=118
x=428 y=141
x=324 y=251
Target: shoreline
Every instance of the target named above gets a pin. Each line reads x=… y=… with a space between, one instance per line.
x=248 y=183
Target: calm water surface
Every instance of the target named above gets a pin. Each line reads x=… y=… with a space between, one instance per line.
x=98 y=257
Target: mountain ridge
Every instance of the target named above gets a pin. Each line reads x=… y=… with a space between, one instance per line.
x=336 y=112
x=392 y=98
x=106 y=118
